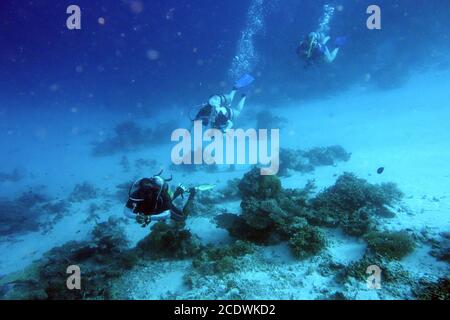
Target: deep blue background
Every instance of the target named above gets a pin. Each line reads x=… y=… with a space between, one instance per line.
x=38 y=53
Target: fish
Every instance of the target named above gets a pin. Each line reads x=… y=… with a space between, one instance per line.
x=380 y=170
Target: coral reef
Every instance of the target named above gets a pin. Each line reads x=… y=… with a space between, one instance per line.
x=127 y=136
x=392 y=245
x=328 y=156
x=293 y=160
x=231 y=190
x=23 y=214
x=93 y=213
x=271 y=214
x=307 y=241
x=14 y=176
x=306 y=161
x=82 y=192
x=261 y=214
x=145 y=163
x=391 y=271
x=55 y=210
x=170 y=241
x=351 y=203
x=441 y=249
x=213 y=261
x=31 y=198
x=130 y=136
x=105 y=257
x=204 y=203
x=255 y=185
x=428 y=290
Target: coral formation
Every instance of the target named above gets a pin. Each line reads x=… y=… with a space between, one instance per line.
x=82 y=192
x=327 y=156
x=307 y=161
x=14 y=176
x=271 y=214
x=293 y=160
x=212 y=260
x=127 y=136
x=168 y=241
x=231 y=191
x=24 y=213
x=100 y=260
x=55 y=211
x=145 y=163
x=255 y=185
x=441 y=248
x=391 y=271
x=130 y=136
x=428 y=290
x=92 y=213
x=351 y=203
x=307 y=241
x=392 y=245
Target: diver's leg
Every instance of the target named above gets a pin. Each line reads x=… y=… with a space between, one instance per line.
x=230 y=96
x=331 y=56
x=181 y=215
x=189 y=203
x=237 y=111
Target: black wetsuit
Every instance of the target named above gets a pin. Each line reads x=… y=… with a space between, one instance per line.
x=219 y=122
x=317 y=52
x=154 y=205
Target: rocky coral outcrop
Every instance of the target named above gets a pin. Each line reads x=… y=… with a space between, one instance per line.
x=351 y=203
x=307 y=160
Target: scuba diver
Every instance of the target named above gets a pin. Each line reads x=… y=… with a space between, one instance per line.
x=314 y=48
x=218 y=112
x=150 y=199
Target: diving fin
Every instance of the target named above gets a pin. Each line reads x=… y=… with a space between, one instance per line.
x=244 y=81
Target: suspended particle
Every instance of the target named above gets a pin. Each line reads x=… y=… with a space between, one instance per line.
x=152 y=55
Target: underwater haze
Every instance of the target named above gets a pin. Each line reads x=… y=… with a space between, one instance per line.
x=359 y=207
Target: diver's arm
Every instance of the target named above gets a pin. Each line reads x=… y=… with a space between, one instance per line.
x=181 y=215
x=145 y=220
x=179 y=191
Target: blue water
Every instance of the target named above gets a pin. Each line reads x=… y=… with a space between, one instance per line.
x=148 y=63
